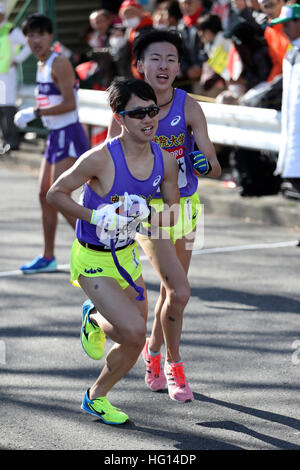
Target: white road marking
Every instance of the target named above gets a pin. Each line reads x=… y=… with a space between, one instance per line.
x=257 y=246
x=18 y=272
x=203 y=251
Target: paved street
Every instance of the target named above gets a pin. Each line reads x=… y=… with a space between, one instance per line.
x=240 y=344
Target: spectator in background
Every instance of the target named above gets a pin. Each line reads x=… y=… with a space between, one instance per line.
x=14 y=51
x=221 y=8
x=260 y=17
x=160 y=16
x=239 y=11
x=101 y=22
x=167 y=15
x=136 y=21
x=113 y=6
x=277 y=40
x=252 y=170
x=288 y=164
x=216 y=48
x=98 y=71
x=254 y=56
x=133 y=16
x=174 y=13
x=191 y=64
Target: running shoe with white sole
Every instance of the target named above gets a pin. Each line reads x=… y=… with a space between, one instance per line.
x=155 y=376
x=177 y=384
x=103 y=409
x=92 y=336
x=40 y=265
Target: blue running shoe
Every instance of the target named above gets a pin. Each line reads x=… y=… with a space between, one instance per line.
x=103 y=409
x=40 y=265
x=92 y=336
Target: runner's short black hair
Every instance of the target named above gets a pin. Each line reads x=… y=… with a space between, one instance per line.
x=145 y=39
x=121 y=90
x=37 y=22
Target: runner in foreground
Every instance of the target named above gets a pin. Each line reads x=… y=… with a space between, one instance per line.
x=181 y=125
x=119 y=178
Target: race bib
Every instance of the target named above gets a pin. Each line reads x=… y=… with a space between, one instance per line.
x=178 y=153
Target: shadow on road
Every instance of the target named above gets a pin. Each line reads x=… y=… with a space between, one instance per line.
x=239 y=428
x=262 y=302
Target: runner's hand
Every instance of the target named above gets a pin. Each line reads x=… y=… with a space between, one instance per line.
x=200 y=163
x=24 y=116
x=136 y=207
x=107 y=218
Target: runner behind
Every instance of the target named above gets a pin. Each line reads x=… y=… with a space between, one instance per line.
x=57 y=106
x=181 y=125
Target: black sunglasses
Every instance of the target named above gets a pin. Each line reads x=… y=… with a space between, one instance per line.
x=140 y=113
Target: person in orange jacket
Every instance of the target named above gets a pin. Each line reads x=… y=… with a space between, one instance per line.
x=277 y=40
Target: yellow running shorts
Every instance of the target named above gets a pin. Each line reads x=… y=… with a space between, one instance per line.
x=91 y=263
x=189 y=215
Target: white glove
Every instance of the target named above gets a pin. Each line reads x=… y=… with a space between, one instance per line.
x=136 y=206
x=24 y=116
x=107 y=219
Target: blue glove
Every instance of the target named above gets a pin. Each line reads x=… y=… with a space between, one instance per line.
x=200 y=163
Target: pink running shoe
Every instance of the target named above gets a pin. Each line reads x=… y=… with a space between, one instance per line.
x=155 y=377
x=177 y=384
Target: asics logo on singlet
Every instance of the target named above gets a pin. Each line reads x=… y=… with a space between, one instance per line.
x=175 y=121
x=157 y=180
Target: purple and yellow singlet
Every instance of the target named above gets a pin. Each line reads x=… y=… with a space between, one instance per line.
x=172 y=135
x=124 y=181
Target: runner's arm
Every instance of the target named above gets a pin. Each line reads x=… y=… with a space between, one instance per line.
x=196 y=120
x=83 y=170
x=170 y=194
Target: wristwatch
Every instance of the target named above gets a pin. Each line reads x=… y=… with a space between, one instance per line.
x=37 y=112
x=208 y=170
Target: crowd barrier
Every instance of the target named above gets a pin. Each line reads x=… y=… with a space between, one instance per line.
x=241 y=126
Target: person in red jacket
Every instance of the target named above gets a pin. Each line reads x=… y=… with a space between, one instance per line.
x=136 y=20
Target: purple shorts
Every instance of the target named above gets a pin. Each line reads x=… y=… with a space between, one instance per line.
x=69 y=141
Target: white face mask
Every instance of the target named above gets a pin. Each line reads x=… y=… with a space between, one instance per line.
x=131 y=22
x=161 y=27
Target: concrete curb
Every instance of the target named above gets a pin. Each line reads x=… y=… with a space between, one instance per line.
x=271 y=210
